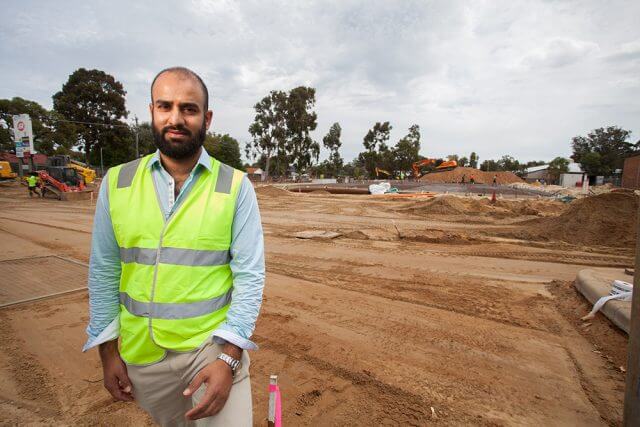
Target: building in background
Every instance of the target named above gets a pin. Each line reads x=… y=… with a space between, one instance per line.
x=631 y=172
x=255 y=174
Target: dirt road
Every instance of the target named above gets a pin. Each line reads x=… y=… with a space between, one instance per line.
x=405 y=319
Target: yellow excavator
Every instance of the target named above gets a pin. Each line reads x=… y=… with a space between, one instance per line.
x=87 y=174
x=379 y=171
x=6 y=172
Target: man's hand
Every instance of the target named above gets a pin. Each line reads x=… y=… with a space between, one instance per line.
x=114 y=370
x=219 y=379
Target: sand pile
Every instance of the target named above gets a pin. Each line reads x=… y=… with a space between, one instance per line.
x=271 y=191
x=455 y=205
x=480 y=177
x=605 y=220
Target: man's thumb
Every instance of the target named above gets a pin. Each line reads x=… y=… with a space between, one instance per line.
x=195 y=384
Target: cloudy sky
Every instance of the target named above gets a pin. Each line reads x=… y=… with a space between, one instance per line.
x=498 y=77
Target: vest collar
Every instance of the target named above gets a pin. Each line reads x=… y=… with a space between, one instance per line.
x=203 y=160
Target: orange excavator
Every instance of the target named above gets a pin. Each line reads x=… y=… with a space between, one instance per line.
x=444 y=166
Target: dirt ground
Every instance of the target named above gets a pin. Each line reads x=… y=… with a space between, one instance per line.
x=410 y=316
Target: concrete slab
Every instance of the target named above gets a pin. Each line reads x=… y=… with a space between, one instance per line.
x=597 y=284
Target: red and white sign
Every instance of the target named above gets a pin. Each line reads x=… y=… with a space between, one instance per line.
x=23 y=134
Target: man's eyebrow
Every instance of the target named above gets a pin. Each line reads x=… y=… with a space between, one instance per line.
x=189 y=104
x=162 y=101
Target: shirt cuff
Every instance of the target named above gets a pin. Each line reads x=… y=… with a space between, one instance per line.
x=110 y=333
x=222 y=336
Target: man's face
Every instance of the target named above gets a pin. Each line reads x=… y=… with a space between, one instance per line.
x=178 y=119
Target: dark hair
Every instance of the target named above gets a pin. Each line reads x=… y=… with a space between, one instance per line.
x=185 y=72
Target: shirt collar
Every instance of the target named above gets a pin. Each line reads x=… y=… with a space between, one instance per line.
x=203 y=160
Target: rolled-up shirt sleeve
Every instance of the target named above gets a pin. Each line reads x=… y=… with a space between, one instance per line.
x=104 y=276
x=247 y=267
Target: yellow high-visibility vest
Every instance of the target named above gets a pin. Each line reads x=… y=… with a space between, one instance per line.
x=176 y=283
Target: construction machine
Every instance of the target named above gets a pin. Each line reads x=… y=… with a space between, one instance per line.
x=6 y=172
x=379 y=171
x=88 y=174
x=444 y=166
x=60 y=179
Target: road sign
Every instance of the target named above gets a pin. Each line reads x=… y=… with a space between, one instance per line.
x=23 y=134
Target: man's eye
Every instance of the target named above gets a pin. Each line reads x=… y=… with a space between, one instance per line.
x=190 y=110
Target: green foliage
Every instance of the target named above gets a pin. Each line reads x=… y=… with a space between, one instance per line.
x=611 y=147
x=463 y=161
x=558 y=166
x=49 y=136
x=473 y=160
x=375 y=144
x=332 y=142
x=146 y=144
x=406 y=150
x=224 y=148
x=95 y=97
x=301 y=120
x=268 y=129
x=282 y=127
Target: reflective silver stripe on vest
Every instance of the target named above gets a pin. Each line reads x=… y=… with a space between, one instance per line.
x=176 y=256
x=163 y=310
x=225 y=178
x=127 y=172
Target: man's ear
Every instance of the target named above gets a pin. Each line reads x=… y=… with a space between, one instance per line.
x=151 y=109
x=208 y=117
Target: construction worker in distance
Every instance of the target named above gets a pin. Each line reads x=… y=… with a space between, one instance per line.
x=463 y=179
x=495 y=180
x=32 y=183
x=472 y=180
x=177 y=270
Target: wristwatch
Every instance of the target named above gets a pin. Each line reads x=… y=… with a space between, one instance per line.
x=234 y=364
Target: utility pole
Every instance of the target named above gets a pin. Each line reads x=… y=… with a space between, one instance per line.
x=137 y=151
x=101 y=163
x=632 y=394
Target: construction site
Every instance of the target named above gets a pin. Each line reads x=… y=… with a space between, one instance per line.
x=439 y=304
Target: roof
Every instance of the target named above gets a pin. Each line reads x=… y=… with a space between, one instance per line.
x=537 y=168
x=254 y=171
x=573 y=168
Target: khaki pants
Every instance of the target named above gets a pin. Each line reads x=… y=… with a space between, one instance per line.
x=158 y=389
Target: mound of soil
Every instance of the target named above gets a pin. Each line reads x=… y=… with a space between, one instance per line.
x=608 y=219
x=271 y=191
x=480 y=177
x=455 y=205
x=320 y=192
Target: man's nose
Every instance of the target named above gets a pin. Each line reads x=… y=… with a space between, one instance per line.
x=175 y=118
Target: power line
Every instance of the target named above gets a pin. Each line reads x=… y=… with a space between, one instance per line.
x=72 y=121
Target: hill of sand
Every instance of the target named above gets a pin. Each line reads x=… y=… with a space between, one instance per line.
x=455 y=205
x=480 y=177
x=607 y=219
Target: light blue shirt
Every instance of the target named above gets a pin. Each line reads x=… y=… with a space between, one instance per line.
x=247 y=260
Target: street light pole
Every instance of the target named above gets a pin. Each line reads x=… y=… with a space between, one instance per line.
x=632 y=394
x=101 y=163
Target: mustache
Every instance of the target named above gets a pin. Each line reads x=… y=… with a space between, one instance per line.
x=178 y=128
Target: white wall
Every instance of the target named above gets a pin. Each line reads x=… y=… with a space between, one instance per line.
x=570 y=179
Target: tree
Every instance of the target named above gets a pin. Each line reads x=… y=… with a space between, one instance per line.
x=463 y=161
x=301 y=120
x=49 y=134
x=609 y=144
x=268 y=129
x=332 y=142
x=95 y=101
x=407 y=149
x=489 y=166
x=558 y=166
x=473 y=160
x=508 y=163
x=146 y=145
x=225 y=148
x=375 y=138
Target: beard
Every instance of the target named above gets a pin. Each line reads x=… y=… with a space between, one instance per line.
x=178 y=150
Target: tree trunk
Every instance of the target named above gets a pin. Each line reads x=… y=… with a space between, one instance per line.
x=266 y=177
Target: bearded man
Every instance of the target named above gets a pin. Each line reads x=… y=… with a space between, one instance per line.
x=177 y=270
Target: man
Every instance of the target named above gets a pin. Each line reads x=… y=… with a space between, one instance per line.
x=32 y=183
x=177 y=270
